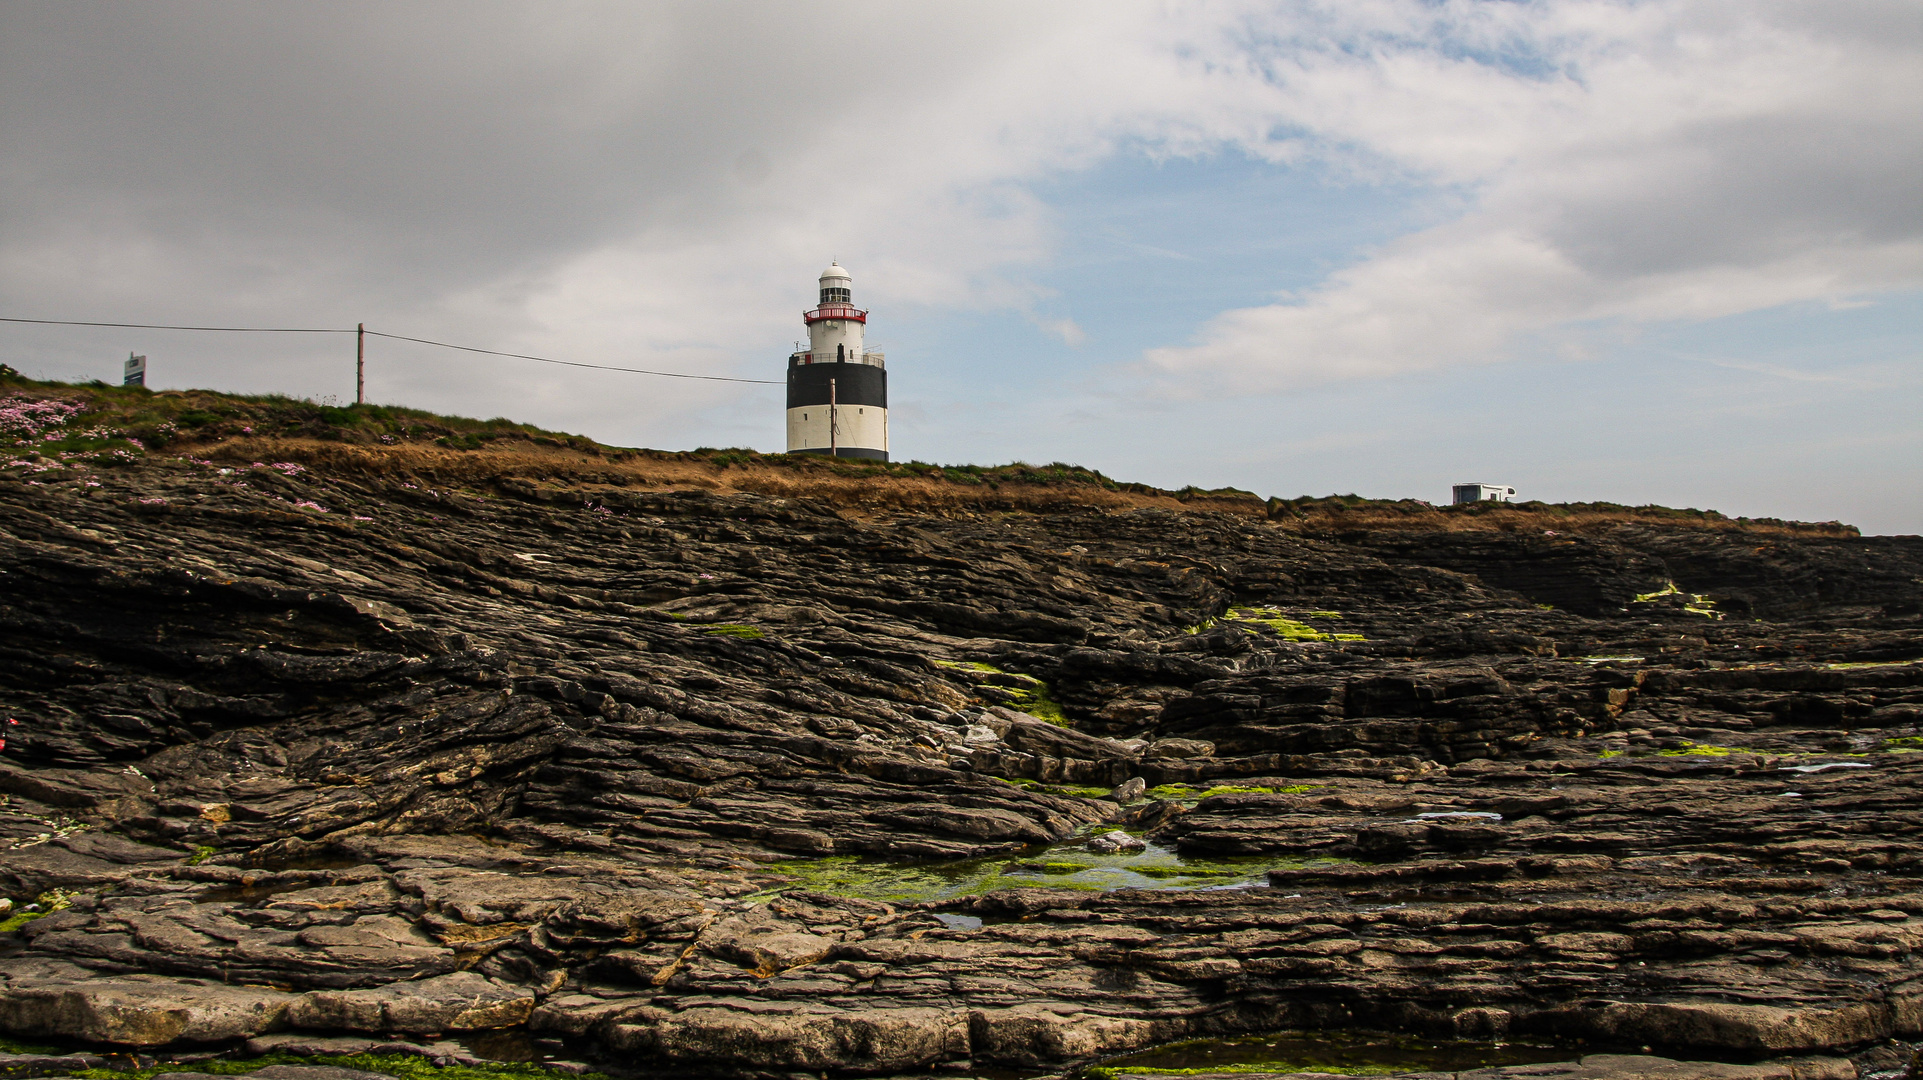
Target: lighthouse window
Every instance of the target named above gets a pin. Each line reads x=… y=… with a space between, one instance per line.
x=836 y=296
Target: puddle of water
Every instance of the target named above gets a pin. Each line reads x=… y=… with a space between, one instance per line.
x=248 y=895
x=1825 y=765
x=1065 y=865
x=512 y=1044
x=1458 y=815
x=308 y=862
x=1353 y=1053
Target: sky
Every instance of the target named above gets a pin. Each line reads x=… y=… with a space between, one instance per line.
x=1637 y=252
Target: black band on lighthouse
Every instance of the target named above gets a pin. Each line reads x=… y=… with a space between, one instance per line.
x=855 y=385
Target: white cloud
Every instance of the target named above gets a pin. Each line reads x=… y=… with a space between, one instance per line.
x=1633 y=162
x=1067 y=331
x=657 y=185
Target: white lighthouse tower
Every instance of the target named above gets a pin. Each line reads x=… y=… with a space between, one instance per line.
x=837 y=389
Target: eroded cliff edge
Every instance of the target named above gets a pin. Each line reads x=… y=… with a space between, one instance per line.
x=315 y=745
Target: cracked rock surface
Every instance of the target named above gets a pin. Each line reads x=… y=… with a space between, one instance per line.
x=565 y=760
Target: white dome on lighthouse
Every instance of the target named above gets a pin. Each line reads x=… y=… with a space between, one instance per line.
x=835 y=271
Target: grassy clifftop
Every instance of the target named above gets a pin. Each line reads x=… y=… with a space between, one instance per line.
x=97 y=424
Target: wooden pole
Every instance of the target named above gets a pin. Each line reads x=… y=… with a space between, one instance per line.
x=360 y=363
x=834 y=449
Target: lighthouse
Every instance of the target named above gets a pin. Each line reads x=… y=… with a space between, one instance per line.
x=837 y=389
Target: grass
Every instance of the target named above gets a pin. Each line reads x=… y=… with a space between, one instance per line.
x=1068 y=790
x=122 y=425
x=1036 y=703
x=401 y=1066
x=1694 y=604
x=1067 y=864
x=735 y=630
x=895 y=883
x=971 y=665
x=1030 y=695
x=49 y=902
x=1699 y=750
x=1286 y=628
x=136 y=419
x=1348 y=513
x=1186 y=792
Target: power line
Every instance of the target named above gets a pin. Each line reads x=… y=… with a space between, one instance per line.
x=155 y=326
x=395 y=337
x=571 y=363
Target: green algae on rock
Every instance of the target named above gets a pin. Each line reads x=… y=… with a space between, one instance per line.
x=1069 y=865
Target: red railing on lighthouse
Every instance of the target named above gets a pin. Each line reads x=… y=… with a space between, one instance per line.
x=835 y=311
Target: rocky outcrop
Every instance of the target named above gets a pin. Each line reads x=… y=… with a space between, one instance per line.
x=308 y=755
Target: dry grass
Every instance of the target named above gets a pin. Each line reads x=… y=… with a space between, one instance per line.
x=1560 y=518
x=863 y=491
x=849 y=487
x=375 y=441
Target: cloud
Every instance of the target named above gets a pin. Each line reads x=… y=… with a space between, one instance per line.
x=1065 y=330
x=1622 y=162
x=658 y=185
x=643 y=185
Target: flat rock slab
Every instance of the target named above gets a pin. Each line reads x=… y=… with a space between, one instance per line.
x=315 y=1072
x=302 y=1044
x=462 y=1001
x=1593 y=1067
x=22 y=1065
x=139 y=1010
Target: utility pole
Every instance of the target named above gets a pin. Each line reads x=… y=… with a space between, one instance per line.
x=360 y=363
x=834 y=449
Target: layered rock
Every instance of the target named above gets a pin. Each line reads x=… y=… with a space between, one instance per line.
x=561 y=759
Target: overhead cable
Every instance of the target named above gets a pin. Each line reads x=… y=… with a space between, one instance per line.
x=573 y=363
x=156 y=326
x=395 y=337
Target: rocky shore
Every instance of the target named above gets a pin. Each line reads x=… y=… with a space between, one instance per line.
x=317 y=759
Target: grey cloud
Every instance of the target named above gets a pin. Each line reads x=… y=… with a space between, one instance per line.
x=1745 y=192
x=442 y=142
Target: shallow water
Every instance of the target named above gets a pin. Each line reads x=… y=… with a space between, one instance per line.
x=1065 y=865
x=512 y=1044
x=1355 y=1053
